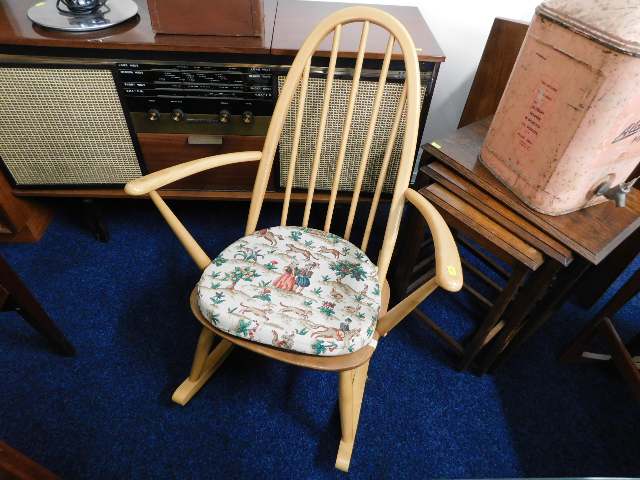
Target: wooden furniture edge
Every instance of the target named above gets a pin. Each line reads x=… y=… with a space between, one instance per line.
x=592 y=257
x=532 y=259
x=173 y=194
x=478 y=198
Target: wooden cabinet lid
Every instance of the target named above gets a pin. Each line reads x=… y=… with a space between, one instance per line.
x=614 y=23
x=295 y=20
x=282 y=35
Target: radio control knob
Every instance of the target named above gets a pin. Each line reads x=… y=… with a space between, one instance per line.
x=153 y=114
x=225 y=116
x=247 y=117
x=177 y=115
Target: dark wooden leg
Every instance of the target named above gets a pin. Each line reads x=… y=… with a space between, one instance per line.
x=19 y=298
x=621 y=357
x=406 y=253
x=634 y=343
x=93 y=220
x=601 y=324
x=533 y=290
x=492 y=318
x=619 y=353
x=551 y=303
x=444 y=336
x=17 y=466
x=600 y=277
x=574 y=351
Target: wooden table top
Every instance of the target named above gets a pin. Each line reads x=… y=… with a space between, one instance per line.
x=286 y=25
x=591 y=232
x=475 y=224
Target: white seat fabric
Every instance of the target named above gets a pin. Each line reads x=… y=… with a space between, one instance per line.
x=294 y=288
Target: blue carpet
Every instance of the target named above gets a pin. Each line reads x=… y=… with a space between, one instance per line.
x=124 y=305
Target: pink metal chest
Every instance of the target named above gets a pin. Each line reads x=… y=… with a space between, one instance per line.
x=569 y=120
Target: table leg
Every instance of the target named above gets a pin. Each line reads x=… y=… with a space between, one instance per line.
x=634 y=343
x=533 y=290
x=600 y=277
x=621 y=357
x=562 y=288
x=407 y=252
x=509 y=292
x=574 y=351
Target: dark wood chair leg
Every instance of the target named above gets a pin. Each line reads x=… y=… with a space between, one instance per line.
x=19 y=298
x=491 y=319
x=533 y=290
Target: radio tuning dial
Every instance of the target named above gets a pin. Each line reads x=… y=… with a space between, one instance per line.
x=247 y=117
x=225 y=116
x=153 y=115
x=177 y=115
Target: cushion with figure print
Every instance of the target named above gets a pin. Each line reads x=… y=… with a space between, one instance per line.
x=294 y=288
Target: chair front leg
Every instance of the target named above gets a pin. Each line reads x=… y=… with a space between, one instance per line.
x=351 y=392
x=202 y=352
x=205 y=363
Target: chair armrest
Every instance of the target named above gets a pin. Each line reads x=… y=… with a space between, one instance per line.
x=448 y=268
x=156 y=180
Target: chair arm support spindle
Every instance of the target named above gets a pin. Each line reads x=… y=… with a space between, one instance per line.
x=156 y=180
x=448 y=267
x=188 y=242
x=152 y=182
x=405 y=307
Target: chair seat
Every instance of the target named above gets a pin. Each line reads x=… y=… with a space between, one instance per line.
x=293 y=288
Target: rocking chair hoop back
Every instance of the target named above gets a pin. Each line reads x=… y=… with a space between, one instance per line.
x=332 y=25
x=352 y=367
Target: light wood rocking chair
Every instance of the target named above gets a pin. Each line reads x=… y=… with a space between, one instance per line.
x=352 y=367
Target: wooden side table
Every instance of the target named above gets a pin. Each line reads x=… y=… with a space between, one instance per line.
x=569 y=243
x=472 y=226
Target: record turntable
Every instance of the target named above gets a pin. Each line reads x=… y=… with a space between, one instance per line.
x=81 y=15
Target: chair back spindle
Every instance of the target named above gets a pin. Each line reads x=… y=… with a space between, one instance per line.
x=304 y=84
x=347 y=125
x=323 y=124
x=369 y=140
x=383 y=169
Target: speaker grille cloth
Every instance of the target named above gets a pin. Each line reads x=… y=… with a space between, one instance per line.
x=64 y=126
x=340 y=92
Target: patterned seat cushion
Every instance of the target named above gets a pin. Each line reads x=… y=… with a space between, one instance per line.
x=294 y=288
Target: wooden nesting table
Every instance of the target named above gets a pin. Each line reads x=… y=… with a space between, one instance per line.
x=545 y=256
